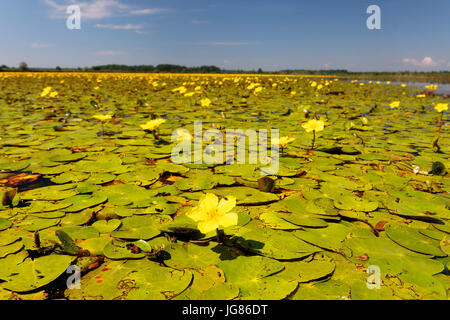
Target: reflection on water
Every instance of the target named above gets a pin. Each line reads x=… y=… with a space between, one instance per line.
x=442 y=88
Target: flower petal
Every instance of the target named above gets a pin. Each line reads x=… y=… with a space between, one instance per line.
x=228 y=220
x=197 y=214
x=208 y=202
x=208 y=226
x=226 y=205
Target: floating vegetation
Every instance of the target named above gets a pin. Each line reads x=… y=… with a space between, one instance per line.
x=87 y=183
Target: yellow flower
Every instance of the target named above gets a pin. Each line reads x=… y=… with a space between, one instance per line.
x=364 y=120
x=441 y=107
x=180 y=89
x=97 y=88
x=183 y=134
x=395 y=104
x=293 y=93
x=252 y=86
x=420 y=96
x=403 y=85
x=53 y=94
x=189 y=94
x=205 y=102
x=102 y=117
x=313 y=84
x=258 y=89
x=152 y=124
x=388 y=82
x=212 y=214
x=319 y=87
x=198 y=88
x=46 y=91
x=283 y=141
x=313 y=125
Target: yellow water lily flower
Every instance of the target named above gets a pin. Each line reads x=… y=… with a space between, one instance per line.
x=102 y=117
x=152 y=125
x=182 y=135
x=252 y=86
x=211 y=214
x=258 y=89
x=284 y=141
x=53 y=94
x=293 y=93
x=395 y=104
x=205 y=102
x=181 y=89
x=189 y=94
x=441 y=107
x=46 y=91
x=97 y=88
x=313 y=125
x=420 y=96
x=403 y=85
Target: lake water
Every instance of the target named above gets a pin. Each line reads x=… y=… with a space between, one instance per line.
x=442 y=88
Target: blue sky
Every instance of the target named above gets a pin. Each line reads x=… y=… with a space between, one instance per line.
x=231 y=34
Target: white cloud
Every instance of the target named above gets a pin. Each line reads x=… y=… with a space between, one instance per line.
x=98 y=9
x=199 y=22
x=110 y=53
x=230 y=44
x=37 y=45
x=120 y=27
x=148 y=11
x=425 y=62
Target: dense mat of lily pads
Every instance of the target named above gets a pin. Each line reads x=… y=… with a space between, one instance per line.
x=86 y=179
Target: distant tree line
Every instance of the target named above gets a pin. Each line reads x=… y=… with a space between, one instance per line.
x=171 y=68
x=437 y=76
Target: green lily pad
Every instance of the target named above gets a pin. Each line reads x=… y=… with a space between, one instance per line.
x=330 y=238
x=274 y=244
x=51 y=193
x=107 y=226
x=254 y=276
x=83 y=201
x=245 y=195
x=191 y=256
x=209 y=284
x=306 y=271
x=10 y=248
x=34 y=274
x=137 y=227
x=356 y=204
x=127 y=194
x=4 y=224
x=118 y=250
x=411 y=239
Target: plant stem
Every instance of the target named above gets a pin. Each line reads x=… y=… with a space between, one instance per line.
x=314 y=139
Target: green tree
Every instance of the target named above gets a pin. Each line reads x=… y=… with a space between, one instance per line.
x=23 y=66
